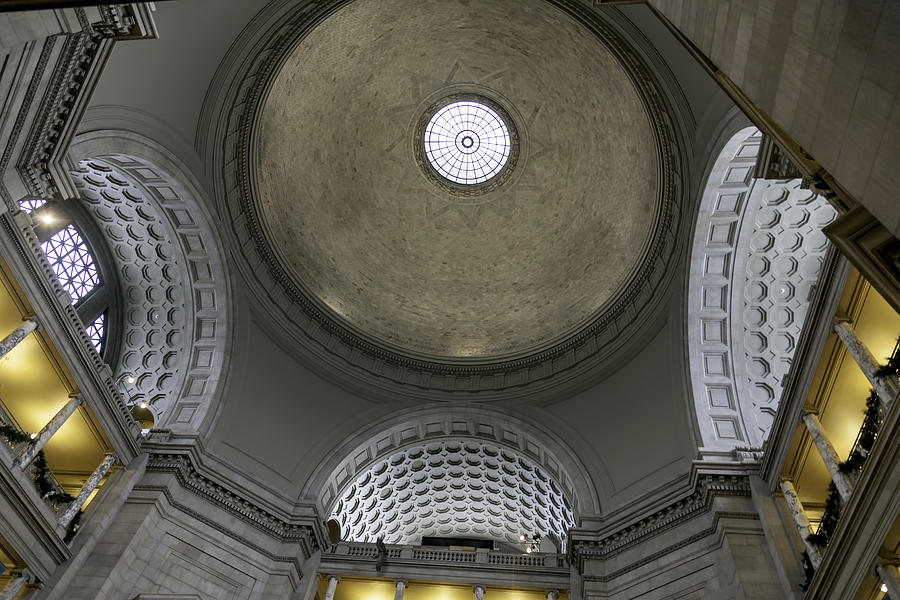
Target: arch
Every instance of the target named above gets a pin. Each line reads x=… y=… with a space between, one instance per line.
x=756 y=254
x=460 y=488
x=161 y=210
x=406 y=430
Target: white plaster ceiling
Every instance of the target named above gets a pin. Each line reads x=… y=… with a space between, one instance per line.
x=357 y=225
x=452 y=488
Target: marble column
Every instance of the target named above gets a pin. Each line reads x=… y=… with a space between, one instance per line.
x=15 y=585
x=400 y=587
x=18 y=334
x=885 y=387
x=47 y=432
x=88 y=488
x=800 y=519
x=479 y=591
x=332 y=584
x=890 y=575
x=829 y=456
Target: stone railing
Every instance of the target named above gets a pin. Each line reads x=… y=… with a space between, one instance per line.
x=423 y=554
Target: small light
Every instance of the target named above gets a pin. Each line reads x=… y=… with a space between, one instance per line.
x=143 y=405
x=130 y=379
x=883 y=588
x=528 y=549
x=521 y=537
x=47 y=219
x=33 y=435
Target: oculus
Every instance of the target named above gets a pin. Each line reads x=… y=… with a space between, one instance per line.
x=467 y=142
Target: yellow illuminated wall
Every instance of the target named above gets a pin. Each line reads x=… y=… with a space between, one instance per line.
x=353 y=588
x=34 y=385
x=840 y=389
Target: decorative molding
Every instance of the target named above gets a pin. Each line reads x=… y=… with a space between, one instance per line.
x=364 y=364
x=186 y=474
x=69 y=89
x=774 y=163
x=230 y=532
x=585 y=545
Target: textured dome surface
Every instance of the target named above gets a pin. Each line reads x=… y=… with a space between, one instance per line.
x=399 y=260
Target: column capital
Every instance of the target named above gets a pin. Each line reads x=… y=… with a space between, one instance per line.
x=25 y=573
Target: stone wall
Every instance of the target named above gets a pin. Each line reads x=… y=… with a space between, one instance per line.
x=826 y=72
x=708 y=546
x=167 y=539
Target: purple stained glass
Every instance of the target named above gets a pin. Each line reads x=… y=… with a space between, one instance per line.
x=30 y=205
x=72 y=262
x=95 y=332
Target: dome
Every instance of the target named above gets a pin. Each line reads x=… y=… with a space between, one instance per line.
x=454 y=185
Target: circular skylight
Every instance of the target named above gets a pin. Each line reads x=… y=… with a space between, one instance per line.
x=467 y=142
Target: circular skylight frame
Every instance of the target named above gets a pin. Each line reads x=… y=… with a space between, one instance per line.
x=500 y=160
x=467 y=142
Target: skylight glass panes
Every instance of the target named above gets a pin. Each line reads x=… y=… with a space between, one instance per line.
x=72 y=262
x=30 y=205
x=96 y=331
x=467 y=142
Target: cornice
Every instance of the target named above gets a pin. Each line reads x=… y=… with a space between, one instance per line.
x=80 y=59
x=302 y=323
x=185 y=471
x=590 y=545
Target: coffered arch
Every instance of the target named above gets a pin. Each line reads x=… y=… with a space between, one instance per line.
x=757 y=252
x=473 y=456
x=174 y=280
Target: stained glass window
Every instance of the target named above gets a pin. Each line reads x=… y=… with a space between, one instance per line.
x=96 y=332
x=467 y=142
x=30 y=205
x=72 y=262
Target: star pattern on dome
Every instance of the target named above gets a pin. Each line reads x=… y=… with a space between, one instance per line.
x=72 y=262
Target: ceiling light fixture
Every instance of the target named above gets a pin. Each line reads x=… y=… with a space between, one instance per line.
x=47 y=218
x=884 y=588
x=32 y=436
x=143 y=405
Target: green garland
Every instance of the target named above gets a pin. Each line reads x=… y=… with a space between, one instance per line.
x=867 y=434
x=830 y=518
x=42 y=481
x=13 y=435
x=892 y=368
x=44 y=485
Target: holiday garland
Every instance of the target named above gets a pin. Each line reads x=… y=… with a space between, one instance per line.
x=830 y=518
x=42 y=480
x=867 y=434
x=892 y=368
x=13 y=435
